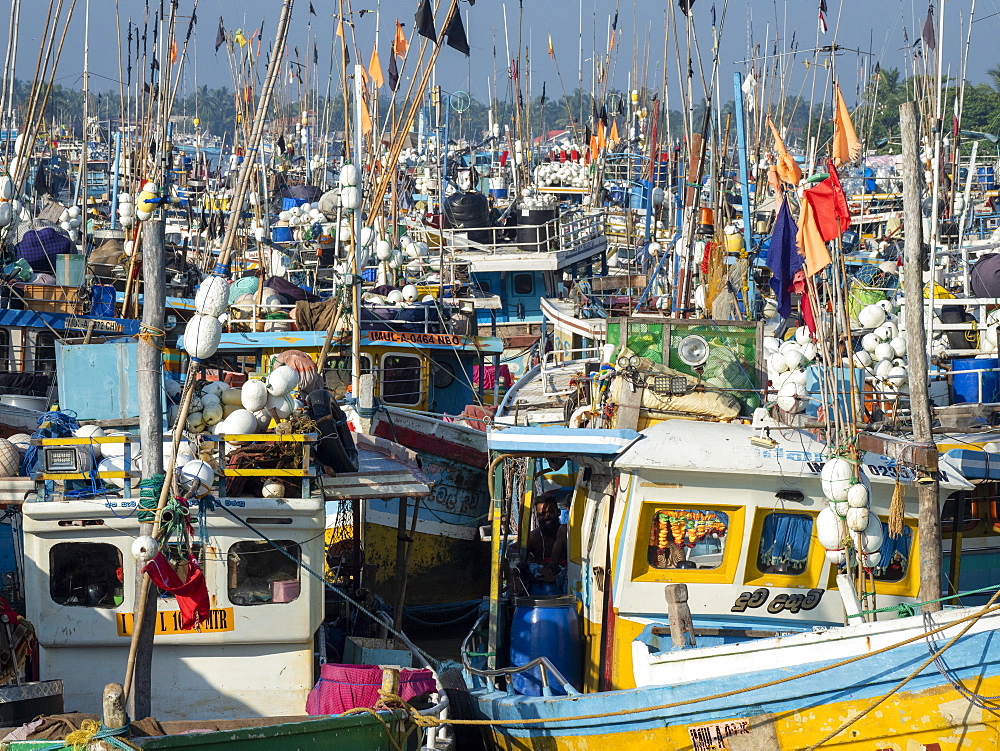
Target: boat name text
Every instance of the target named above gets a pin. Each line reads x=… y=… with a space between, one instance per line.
x=791 y=603
x=401 y=337
x=713 y=737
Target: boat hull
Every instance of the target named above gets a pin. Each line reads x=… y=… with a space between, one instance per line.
x=927 y=713
x=360 y=732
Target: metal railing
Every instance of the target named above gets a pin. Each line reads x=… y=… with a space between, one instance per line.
x=560 y=360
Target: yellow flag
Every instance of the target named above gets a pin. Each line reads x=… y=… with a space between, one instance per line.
x=375 y=69
x=340 y=28
x=552 y=52
x=846 y=146
x=239 y=38
x=366 y=119
x=787 y=168
x=399 y=43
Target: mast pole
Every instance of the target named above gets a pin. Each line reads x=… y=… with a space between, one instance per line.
x=928 y=520
x=356 y=256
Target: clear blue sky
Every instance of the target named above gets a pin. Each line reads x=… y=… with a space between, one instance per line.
x=875 y=25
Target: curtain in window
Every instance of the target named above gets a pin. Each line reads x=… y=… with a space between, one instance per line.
x=785 y=538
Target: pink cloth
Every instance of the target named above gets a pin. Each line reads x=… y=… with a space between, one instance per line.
x=344 y=687
x=488 y=374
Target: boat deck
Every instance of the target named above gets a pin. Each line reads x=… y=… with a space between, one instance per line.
x=540 y=397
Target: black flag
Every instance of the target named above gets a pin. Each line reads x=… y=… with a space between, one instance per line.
x=281 y=143
x=424 y=19
x=455 y=34
x=312 y=10
x=927 y=34
x=392 y=74
x=685 y=6
x=542 y=102
x=220 y=35
x=315 y=54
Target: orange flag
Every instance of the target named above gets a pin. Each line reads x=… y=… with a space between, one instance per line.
x=613 y=138
x=173 y=50
x=375 y=69
x=552 y=51
x=366 y=119
x=787 y=168
x=593 y=147
x=846 y=146
x=810 y=241
x=340 y=28
x=601 y=138
x=399 y=44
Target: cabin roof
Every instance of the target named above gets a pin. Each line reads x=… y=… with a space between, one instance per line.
x=487 y=345
x=696 y=446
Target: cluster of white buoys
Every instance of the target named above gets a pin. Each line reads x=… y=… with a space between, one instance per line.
x=147 y=202
x=564 y=174
x=126 y=210
x=203 y=332
x=988 y=339
x=70 y=220
x=787 y=363
x=532 y=201
x=883 y=349
x=304 y=215
x=847 y=521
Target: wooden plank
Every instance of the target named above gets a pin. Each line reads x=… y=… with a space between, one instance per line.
x=81 y=441
x=921 y=455
x=358 y=492
x=602 y=283
x=263 y=438
x=86 y=476
x=269 y=472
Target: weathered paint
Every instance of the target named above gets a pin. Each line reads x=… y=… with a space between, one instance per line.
x=359 y=732
x=442 y=569
x=927 y=714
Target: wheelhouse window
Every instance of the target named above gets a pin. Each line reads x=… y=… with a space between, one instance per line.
x=784 y=544
x=894 y=555
x=337 y=373
x=524 y=284
x=260 y=573
x=401 y=379
x=687 y=538
x=86 y=574
x=45 y=352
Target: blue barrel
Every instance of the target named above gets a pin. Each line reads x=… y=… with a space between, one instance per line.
x=639 y=194
x=102 y=301
x=281 y=234
x=987 y=179
x=965 y=386
x=549 y=627
x=498 y=192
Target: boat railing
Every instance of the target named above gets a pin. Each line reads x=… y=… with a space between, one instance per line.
x=560 y=360
x=546 y=669
x=304 y=472
x=565 y=232
x=62 y=461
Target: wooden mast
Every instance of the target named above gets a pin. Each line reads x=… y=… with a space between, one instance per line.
x=928 y=520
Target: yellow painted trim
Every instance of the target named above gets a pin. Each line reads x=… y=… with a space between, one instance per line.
x=264 y=438
x=724 y=574
x=268 y=472
x=86 y=476
x=815 y=560
x=936 y=717
x=909 y=585
x=82 y=441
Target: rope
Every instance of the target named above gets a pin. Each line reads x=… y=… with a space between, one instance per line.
x=906 y=609
x=149 y=333
x=92 y=730
x=149 y=498
x=987 y=609
x=983 y=702
x=846 y=724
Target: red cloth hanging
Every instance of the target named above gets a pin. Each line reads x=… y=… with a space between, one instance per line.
x=191 y=595
x=829 y=205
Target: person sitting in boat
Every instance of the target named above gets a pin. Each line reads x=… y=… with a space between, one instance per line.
x=547 y=545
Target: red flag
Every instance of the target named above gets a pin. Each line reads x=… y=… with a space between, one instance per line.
x=829 y=206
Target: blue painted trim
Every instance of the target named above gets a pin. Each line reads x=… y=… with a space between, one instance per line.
x=973 y=656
